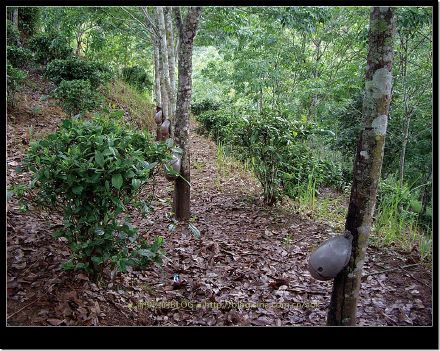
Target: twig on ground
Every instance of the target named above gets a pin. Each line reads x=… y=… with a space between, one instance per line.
x=25 y=306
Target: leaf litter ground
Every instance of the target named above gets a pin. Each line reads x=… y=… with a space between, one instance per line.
x=247 y=268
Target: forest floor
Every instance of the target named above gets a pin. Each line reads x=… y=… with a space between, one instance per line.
x=249 y=266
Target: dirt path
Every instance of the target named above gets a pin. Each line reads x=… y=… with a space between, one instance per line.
x=247 y=268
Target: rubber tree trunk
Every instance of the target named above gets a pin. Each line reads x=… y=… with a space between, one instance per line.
x=368 y=164
x=171 y=58
x=15 y=22
x=165 y=80
x=187 y=32
x=156 y=52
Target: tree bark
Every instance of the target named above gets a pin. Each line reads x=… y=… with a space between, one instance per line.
x=368 y=164
x=187 y=32
x=165 y=81
x=406 y=112
x=171 y=58
x=427 y=189
x=15 y=17
x=404 y=144
x=15 y=22
x=157 y=87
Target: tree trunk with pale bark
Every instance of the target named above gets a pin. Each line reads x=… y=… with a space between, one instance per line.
x=187 y=31
x=157 y=88
x=171 y=58
x=167 y=98
x=368 y=164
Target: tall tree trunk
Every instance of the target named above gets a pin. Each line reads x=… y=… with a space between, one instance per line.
x=404 y=144
x=15 y=17
x=187 y=32
x=157 y=88
x=368 y=164
x=165 y=81
x=406 y=112
x=15 y=22
x=427 y=189
x=171 y=58
x=314 y=100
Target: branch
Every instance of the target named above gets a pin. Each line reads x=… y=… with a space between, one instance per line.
x=137 y=20
x=150 y=21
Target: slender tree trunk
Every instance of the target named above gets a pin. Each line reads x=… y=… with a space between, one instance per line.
x=187 y=32
x=406 y=112
x=171 y=58
x=368 y=164
x=314 y=102
x=157 y=88
x=166 y=89
x=404 y=144
x=15 y=17
x=425 y=194
x=15 y=22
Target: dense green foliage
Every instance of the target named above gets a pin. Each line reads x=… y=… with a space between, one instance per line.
x=12 y=35
x=50 y=46
x=276 y=149
x=18 y=56
x=76 y=96
x=28 y=19
x=91 y=170
x=15 y=78
x=137 y=77
x=205 y=105
x=77 y=69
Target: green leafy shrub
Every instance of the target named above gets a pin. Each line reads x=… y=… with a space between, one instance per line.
x=91 y=170
x=275 y=147
x=15 y=78
x=137 y=77
x=49 y=46
x=205 y=105
x=74 y=68
x=266 y=141
x=76 y=96
x=396 y=216
x=19 y=57
x=216 y=123
x=13 y=35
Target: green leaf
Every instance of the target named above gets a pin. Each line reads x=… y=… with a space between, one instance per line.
x=68 y=265
x=194 y=230
x=99 y=158
x=146 y=253
x=117 y=181
x=81 y=265
x=77 y=189
x=135 y=183
x=97 y=260
x=67 y=123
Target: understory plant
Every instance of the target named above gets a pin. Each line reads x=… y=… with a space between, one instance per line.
x=15 y=78
x=137 y=77
x=49 y=46
x=74 y=68
x=91 y=171
x=76 y=96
